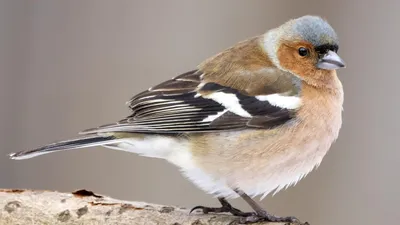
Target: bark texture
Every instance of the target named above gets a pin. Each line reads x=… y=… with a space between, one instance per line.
x=22 y=207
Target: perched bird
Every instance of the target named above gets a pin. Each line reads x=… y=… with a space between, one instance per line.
x=250 y=120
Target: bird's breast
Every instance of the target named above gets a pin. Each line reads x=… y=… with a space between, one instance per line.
x=259 y=161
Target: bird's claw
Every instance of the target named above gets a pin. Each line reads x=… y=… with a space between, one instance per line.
x=223 y=209
x=264 y=216
x=204 y=209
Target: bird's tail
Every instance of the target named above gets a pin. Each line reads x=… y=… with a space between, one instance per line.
x=81 y=142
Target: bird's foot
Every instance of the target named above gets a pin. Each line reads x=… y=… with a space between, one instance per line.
x=263 y=216
x=247 y=217
x=225 y=208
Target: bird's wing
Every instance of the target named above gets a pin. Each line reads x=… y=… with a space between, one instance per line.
x=189 y=103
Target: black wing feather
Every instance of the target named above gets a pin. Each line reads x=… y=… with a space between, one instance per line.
x=175 y=106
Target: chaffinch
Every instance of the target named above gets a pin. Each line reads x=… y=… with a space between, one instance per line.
x=252 y=119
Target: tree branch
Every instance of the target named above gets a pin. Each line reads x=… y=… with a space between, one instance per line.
x=86 y=207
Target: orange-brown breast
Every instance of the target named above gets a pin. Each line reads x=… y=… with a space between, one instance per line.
x=322 y=107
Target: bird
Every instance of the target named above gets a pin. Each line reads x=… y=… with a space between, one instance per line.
x=249 y=121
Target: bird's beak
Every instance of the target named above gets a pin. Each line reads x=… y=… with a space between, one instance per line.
x=330 y=61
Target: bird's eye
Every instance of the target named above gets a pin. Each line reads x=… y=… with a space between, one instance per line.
x=303 y=51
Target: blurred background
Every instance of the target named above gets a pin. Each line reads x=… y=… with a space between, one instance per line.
x=70 y=65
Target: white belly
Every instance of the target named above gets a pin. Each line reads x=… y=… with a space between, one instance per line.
x=178 y=153
x=270 y=179
x=261 y=182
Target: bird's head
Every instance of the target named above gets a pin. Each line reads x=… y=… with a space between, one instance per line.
x=306 y=46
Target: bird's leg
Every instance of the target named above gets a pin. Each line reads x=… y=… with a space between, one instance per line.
x=226 y=207
x=260 y=214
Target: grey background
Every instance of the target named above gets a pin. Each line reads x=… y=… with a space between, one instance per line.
x=70 y=65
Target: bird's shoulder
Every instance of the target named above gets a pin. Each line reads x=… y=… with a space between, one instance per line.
x=236 y=89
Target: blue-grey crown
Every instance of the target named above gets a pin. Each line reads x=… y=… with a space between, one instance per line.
x=315 y=30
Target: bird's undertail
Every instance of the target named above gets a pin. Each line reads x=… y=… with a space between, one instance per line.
x=81 y=142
